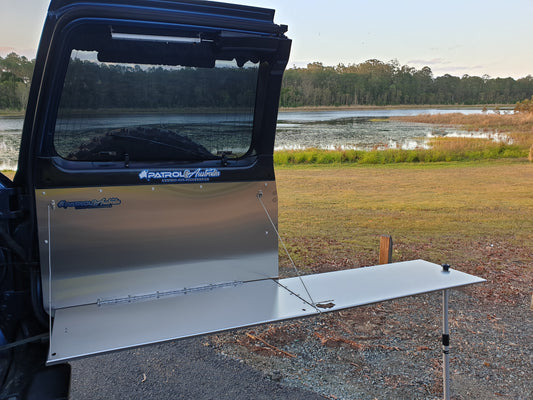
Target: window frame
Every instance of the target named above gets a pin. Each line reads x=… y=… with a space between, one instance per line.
x=60 y=67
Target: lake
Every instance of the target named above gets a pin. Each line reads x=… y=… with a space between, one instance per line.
x=339 y=129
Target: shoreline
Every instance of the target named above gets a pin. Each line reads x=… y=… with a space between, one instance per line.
x=399 y=107
x=13 y=113
x=9 y=113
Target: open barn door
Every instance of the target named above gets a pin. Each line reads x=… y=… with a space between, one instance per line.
x=149 y=139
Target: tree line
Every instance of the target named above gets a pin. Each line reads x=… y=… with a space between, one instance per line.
x=372 y=82
x=15 y=77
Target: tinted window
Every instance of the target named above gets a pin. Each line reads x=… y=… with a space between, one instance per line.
x=113 y=111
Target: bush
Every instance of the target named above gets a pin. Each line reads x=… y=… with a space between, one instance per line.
x=524 y=106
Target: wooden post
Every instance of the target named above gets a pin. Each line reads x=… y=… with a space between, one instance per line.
x=385 y=249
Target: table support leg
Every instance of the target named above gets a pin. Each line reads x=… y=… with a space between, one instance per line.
x=445 y=346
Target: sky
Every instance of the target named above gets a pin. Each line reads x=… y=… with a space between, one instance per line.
x=457 y=37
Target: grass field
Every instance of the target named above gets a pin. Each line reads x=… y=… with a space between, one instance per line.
x=331 y=217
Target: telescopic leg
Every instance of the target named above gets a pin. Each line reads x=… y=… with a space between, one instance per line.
x=445 y=346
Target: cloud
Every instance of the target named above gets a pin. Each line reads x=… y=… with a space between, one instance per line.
x=465 y=69
x=470 y=67
x=443 y=66
x=6 y=49
x=433 y=61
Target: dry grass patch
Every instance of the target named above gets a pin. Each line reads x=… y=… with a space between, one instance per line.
x=10 y=174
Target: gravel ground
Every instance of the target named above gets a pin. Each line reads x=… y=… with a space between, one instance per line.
x=393 y=351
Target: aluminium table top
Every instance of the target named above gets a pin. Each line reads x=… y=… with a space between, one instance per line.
x=92 y=329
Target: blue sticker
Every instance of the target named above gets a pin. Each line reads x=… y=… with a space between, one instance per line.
x=86 y=204
x=185 y=175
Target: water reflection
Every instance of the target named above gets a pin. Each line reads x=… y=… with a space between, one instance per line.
x=10 y=132
x=357 y=133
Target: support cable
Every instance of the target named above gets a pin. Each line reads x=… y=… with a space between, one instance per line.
x=312 y=302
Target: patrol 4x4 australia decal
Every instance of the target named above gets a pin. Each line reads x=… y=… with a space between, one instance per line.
x=184 y=175
x=87 y=204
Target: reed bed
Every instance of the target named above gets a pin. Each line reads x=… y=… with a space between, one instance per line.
x=502 y=122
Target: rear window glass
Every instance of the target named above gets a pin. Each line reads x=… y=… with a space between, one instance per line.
x=144 y=112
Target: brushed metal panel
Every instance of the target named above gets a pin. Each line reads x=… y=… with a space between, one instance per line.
x=91 y=329
x=368 y=285
x=154 y=238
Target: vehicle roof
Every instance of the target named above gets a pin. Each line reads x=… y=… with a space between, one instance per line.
x=234 y=11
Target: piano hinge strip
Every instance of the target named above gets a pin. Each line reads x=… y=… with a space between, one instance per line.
x=169 y=293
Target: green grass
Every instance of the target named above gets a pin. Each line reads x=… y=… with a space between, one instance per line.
x=441 y=151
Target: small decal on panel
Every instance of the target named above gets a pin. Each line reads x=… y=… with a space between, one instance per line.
x=186 y=175
x=87 y=204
